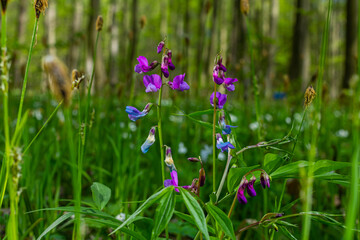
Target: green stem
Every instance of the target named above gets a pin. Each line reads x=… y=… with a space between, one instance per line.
x=214 y=140
x=79 y=172
x=43 y=126
x=297 y=134
x=315 y=130
x=26 y=74
x=160 y=134
x=353 y=206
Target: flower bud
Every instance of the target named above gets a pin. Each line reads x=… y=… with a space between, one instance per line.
x=193 y=159
x=99 y=23
x=241 y=191
x=148 y=107
x=201 y=177
x=250 y=187
x=168 y=159
x=150 y=140
x=264 y=179
x=160 y=46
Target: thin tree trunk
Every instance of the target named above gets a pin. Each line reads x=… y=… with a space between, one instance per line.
x=300 y=60
x=351 y=41
x=75 y=37
x=114 y=45
x=200 y=47
x=271 y=70
x=51 y=28
x=20 y=59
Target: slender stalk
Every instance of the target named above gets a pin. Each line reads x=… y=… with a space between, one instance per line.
x=223 y=178
x=353 y=206
x=43 y=126
x=297 y=134
x=160 y=134
x=32 y=43
x=315 y=131
x=79 y=170
x=230 y=212
x=214 y=140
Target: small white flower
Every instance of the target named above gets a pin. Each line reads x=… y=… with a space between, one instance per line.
x=253 y=126
x=221 y=156
x=182 y=148
x=233 y=118
x=268 y=117
x=121 y=217
x=342 y=133
x=288 y=120
x=132 y=126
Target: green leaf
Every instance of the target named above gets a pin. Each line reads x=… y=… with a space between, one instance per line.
x=199 y=113
x=195 y=211
x=235 y=175
x=101 y=194
x=189 y=219
x=55 y=224
x=325 y=166
x=222 y=219
x=272 y=162
x=163 y=213
x=150 y=201
x=289 y=170
x=286 y=232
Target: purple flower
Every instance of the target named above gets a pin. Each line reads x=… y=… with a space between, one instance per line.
x=264 y=180
x=164 y=66
x=226 y=129
x=218 y=72
x=229 y=84
x=220 y=100
x=220 y=144
x=152 y=82
x=241 y=191
x=135 y=114
x=144 y=66
x=149 y=141
x=160 y=46
x=173 y=181
x=250 y=187
x=178 y=83
x=171 y=65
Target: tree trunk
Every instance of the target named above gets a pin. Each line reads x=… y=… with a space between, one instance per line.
x=300 y=60
x=351 y=41
x=51 y=28
x=20 y=59
x=76 y=36
x=114 y=45
x=270 y=72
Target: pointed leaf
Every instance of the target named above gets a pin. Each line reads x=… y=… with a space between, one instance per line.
x=163 y=213
x=195 y=211
x=235 y=176
x=55 y=224
x=222 y=219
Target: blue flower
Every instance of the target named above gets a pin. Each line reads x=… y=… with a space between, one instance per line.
x=135 y=114
x=149 y=141
x=220 y=144
x=226 y=129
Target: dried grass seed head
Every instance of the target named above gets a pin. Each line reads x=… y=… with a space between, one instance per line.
x=60 y=83
x=99 y=23
x=3 y=5
x=309 y=96
x=244 y=6
x=40 y=6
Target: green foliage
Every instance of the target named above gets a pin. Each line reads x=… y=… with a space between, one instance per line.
x=101 y=194
x=222 y=219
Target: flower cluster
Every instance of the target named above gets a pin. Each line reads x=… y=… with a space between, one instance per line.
x=226 y=129
x=220 y=79
x=220 y=144
x=248 y=185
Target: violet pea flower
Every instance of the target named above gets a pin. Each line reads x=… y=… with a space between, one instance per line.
x=226 y=129
x=220 y=144
x=250 y=187
x=149 y=141
x=134 y=114
x=160 y=46
x=265 y=180
x=144 y=66
x=229 y=84
x=164 y=66
x=241 y=191
x=220 y=98
x=152 y=82
x=178 y=83
x=174 y=181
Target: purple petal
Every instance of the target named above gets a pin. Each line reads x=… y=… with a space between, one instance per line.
x=160 y=46
x=146 y=80
x=184 y=86
x=143 y=61
x=168 y=182
x=156 y=80
x=230 y=80
x=218 y=80
x=174 y=177
x=165 y=71
x=230 y=87
x=138 y=68
x=171 y=65
x=151 y=88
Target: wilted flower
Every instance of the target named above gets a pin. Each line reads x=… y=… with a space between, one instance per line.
x=229 y=83
x=220 y=100
x=144 y=66
x=169 y=160
x=264 y=179
x=160 y=46
x=241 y=191
x=135 y=114
x=99 y=23
x=250 y=187
x=149 y=141
x=152 y=82
x=220 y=144
x=226 y=129
x=178 y=83
x=201 y=177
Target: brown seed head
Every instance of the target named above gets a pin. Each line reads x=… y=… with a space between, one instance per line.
x=309 y=96
x=244 y=6
x=60 y=83
x=76 y=78
x=143 y=21
x=3 y=5
x=99 y=23
x=40 y=6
